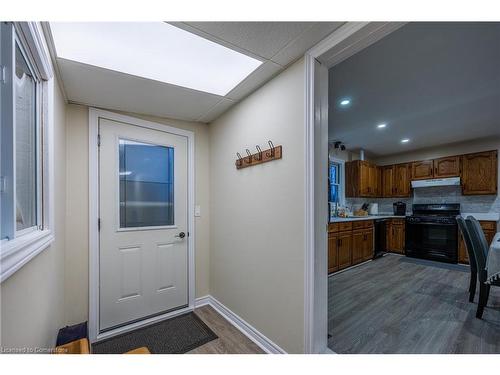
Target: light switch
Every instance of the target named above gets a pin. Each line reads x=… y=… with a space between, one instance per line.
x=197 y=211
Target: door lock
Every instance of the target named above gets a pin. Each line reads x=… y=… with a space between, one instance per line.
x=180 y=235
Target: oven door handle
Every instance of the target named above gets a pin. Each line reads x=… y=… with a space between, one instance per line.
x=435 y=224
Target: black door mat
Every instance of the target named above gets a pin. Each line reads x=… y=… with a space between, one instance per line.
x=173 y=336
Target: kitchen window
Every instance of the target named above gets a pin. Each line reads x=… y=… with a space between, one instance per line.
x=336 y=182
x=26 y=111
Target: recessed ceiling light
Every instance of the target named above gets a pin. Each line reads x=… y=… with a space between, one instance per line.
x=405 y=140
x=381 y=126
x=345 y=102
x=154 y=50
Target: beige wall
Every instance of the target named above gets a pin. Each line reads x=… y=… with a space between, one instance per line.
x=256 y=267
x=77 y=234
x=257 y=214
x=32 y=299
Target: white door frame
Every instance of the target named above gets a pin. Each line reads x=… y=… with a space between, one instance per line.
x=344 y=42
x=94 y=115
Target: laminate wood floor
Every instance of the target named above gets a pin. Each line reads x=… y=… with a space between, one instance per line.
x=230 y=341
x=396 y=304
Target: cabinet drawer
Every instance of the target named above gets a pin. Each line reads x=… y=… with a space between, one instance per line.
x=358 y=224
x=398 y=221
x=362 y=224
x=368 y=224
x=488 y=225
x=333 y=227
x=345 y=226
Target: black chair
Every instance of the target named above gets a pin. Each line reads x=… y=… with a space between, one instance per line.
x=480 y=247
x=472 y=260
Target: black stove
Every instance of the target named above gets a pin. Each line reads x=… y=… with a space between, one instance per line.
x=432 y=232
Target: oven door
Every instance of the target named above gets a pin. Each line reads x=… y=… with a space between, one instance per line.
x=436 y=241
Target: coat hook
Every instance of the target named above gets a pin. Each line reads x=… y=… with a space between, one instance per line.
x=240 y=159
x=271 y=146
x=260 y=152
x=249 y=156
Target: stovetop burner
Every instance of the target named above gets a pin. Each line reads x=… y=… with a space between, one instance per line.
x=436 y=210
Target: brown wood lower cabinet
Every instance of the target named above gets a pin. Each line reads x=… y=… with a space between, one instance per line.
x=489 y=229
x=344 y=249
x=333 y=260
x=358 y=243
x=349 y=243
x=396 y=236
x=368 y=247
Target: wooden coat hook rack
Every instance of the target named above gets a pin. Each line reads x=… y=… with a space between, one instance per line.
x=261 y=156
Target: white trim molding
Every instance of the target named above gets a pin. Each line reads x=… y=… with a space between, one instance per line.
x=14 y=254
x=344 y=42
x=94 y=116
x=263 y=342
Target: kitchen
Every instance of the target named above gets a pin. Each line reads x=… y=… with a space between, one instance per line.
x=375 y=233
x=413 y=143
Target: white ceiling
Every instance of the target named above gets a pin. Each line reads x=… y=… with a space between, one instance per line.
x=277 y=44
x=434 y=83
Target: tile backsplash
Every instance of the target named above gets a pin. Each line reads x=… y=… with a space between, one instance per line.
x=436 y=194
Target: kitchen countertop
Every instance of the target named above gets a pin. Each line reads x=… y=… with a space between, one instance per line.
x=489 y=216
x=359 y=218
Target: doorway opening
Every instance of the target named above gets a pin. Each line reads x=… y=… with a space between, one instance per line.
x=399 y=116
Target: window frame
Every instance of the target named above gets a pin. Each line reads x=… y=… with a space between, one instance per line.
x=341 y=163
x=23 y=245
x=119 y=228
x=38 y=142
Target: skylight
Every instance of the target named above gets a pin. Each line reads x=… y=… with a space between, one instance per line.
x=154 y=50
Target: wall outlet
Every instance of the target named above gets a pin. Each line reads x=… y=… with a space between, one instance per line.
x=197 y=211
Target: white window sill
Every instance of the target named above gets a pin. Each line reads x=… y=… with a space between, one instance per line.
x=16 y=253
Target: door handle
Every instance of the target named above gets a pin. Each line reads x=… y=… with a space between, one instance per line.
x=181 y=235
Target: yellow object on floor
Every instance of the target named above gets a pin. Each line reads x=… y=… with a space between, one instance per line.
x=82 y=347
x=74 y=347
x=141 y=350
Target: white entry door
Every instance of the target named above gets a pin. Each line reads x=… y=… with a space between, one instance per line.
x=143 y=250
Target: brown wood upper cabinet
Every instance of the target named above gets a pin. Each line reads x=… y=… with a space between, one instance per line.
x=362 y=179
x=396 y=180
x=387 y=180
x=447 y=167
x=479 y=173
x=436 y=168
x=422 y=170
x=401 y=183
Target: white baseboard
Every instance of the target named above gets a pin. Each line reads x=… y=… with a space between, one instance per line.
x=202 y=301
x=247 y=329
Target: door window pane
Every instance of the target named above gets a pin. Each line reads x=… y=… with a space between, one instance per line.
x=26 y=144
x=146 y=184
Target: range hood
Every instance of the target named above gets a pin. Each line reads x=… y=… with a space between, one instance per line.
x=452 y=181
